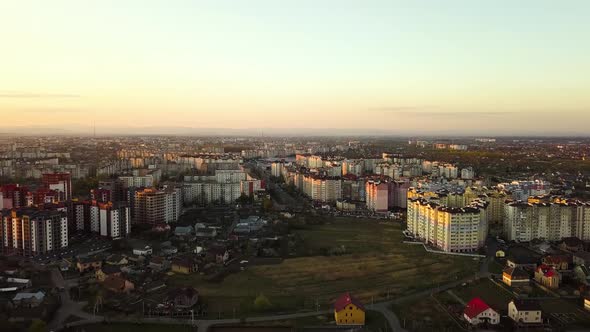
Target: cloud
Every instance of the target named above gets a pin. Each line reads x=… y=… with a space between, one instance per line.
x=48 y=110
x=431 y=112
x=400 y=108
x=32 y=95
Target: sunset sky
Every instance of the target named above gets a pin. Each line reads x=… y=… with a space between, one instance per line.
x=399 y=67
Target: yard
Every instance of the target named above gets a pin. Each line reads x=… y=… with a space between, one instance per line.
x=375 y=265
x=425 y=314
x=495 y=296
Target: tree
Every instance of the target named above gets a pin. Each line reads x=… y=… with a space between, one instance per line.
x=262 y=303
x=37 y=325
x=267 y=204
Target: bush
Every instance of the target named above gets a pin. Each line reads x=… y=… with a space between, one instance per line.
x=37 y=325
x=262 y=303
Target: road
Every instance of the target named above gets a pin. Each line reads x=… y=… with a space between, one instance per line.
x=70 y=308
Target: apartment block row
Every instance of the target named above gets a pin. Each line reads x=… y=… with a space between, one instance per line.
x=109 y=219
x=553 y=220
x=32 y=232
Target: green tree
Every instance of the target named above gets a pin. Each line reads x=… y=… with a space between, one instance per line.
x=37 y=325
x=267 y=204
x=262 y=303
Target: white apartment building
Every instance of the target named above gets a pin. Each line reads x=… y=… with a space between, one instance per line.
x=450 y=229
x=226 y=186
x=525 y=221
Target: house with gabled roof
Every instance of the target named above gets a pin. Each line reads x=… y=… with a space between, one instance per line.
x=515 y=276
x=478 y=312
x=348 y=310
x=547 y=276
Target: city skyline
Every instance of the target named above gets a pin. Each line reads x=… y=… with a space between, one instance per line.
x=333 y=67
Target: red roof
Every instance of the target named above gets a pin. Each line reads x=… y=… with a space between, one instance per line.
x=346 y=299
x=547 y=271
x=475 y=307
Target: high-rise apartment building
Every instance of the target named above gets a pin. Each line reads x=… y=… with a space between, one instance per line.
x=452 y=229
x=154 y=206
x=60 y=182
x=553 y=221
x=31 y=232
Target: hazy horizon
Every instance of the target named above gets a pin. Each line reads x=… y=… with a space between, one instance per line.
x=311 y=67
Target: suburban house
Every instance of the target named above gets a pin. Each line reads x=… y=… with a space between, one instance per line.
x=525 y=312
x=28 y=300
x=143 y=251
x=547 y=276
x=206 y=232
x=117 y=260
x=519 y=256
x=118 y=284
x=185 y=297
x=185 y=265
x=88 y=264
x=106 y=271
x=349 y=311
x=183 y=231
x=571 y=244
x=478 y=312
x=515 y=276
x=159 y=263
x=220 y=253
x=558 y=262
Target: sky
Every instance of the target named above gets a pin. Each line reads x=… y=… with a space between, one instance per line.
x=395 y=67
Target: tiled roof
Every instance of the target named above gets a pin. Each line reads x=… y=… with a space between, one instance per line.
x=475 y=307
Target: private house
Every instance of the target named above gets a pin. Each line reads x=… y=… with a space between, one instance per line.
x=28 y=300
x=158 y=263
x=106 y=271
x=117 y=260
x=184 y=265
x=558 y=262
x=571 y=244
x=118 y=284
x=525 y=258
x=185 y=297
x=143 y=251
x=515 y=276
x=525 y=312
x=183 y=231
x=547 y=276
x=478 y=312
x=220 y=253
x=88 y=264
x=349 y=311
x=206 y=232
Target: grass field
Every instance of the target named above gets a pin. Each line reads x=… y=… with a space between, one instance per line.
x=376 y=264
x=128 y=327
x=494 y=295
x=424 y=315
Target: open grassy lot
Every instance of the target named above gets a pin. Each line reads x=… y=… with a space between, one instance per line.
x=424 y=314
x=128 y=327
x=374 y=322
x=376 y=264
x=495 y=296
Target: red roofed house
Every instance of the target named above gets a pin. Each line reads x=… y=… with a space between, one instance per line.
x=547 y=276
x=477 y=312
x=349 y=311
